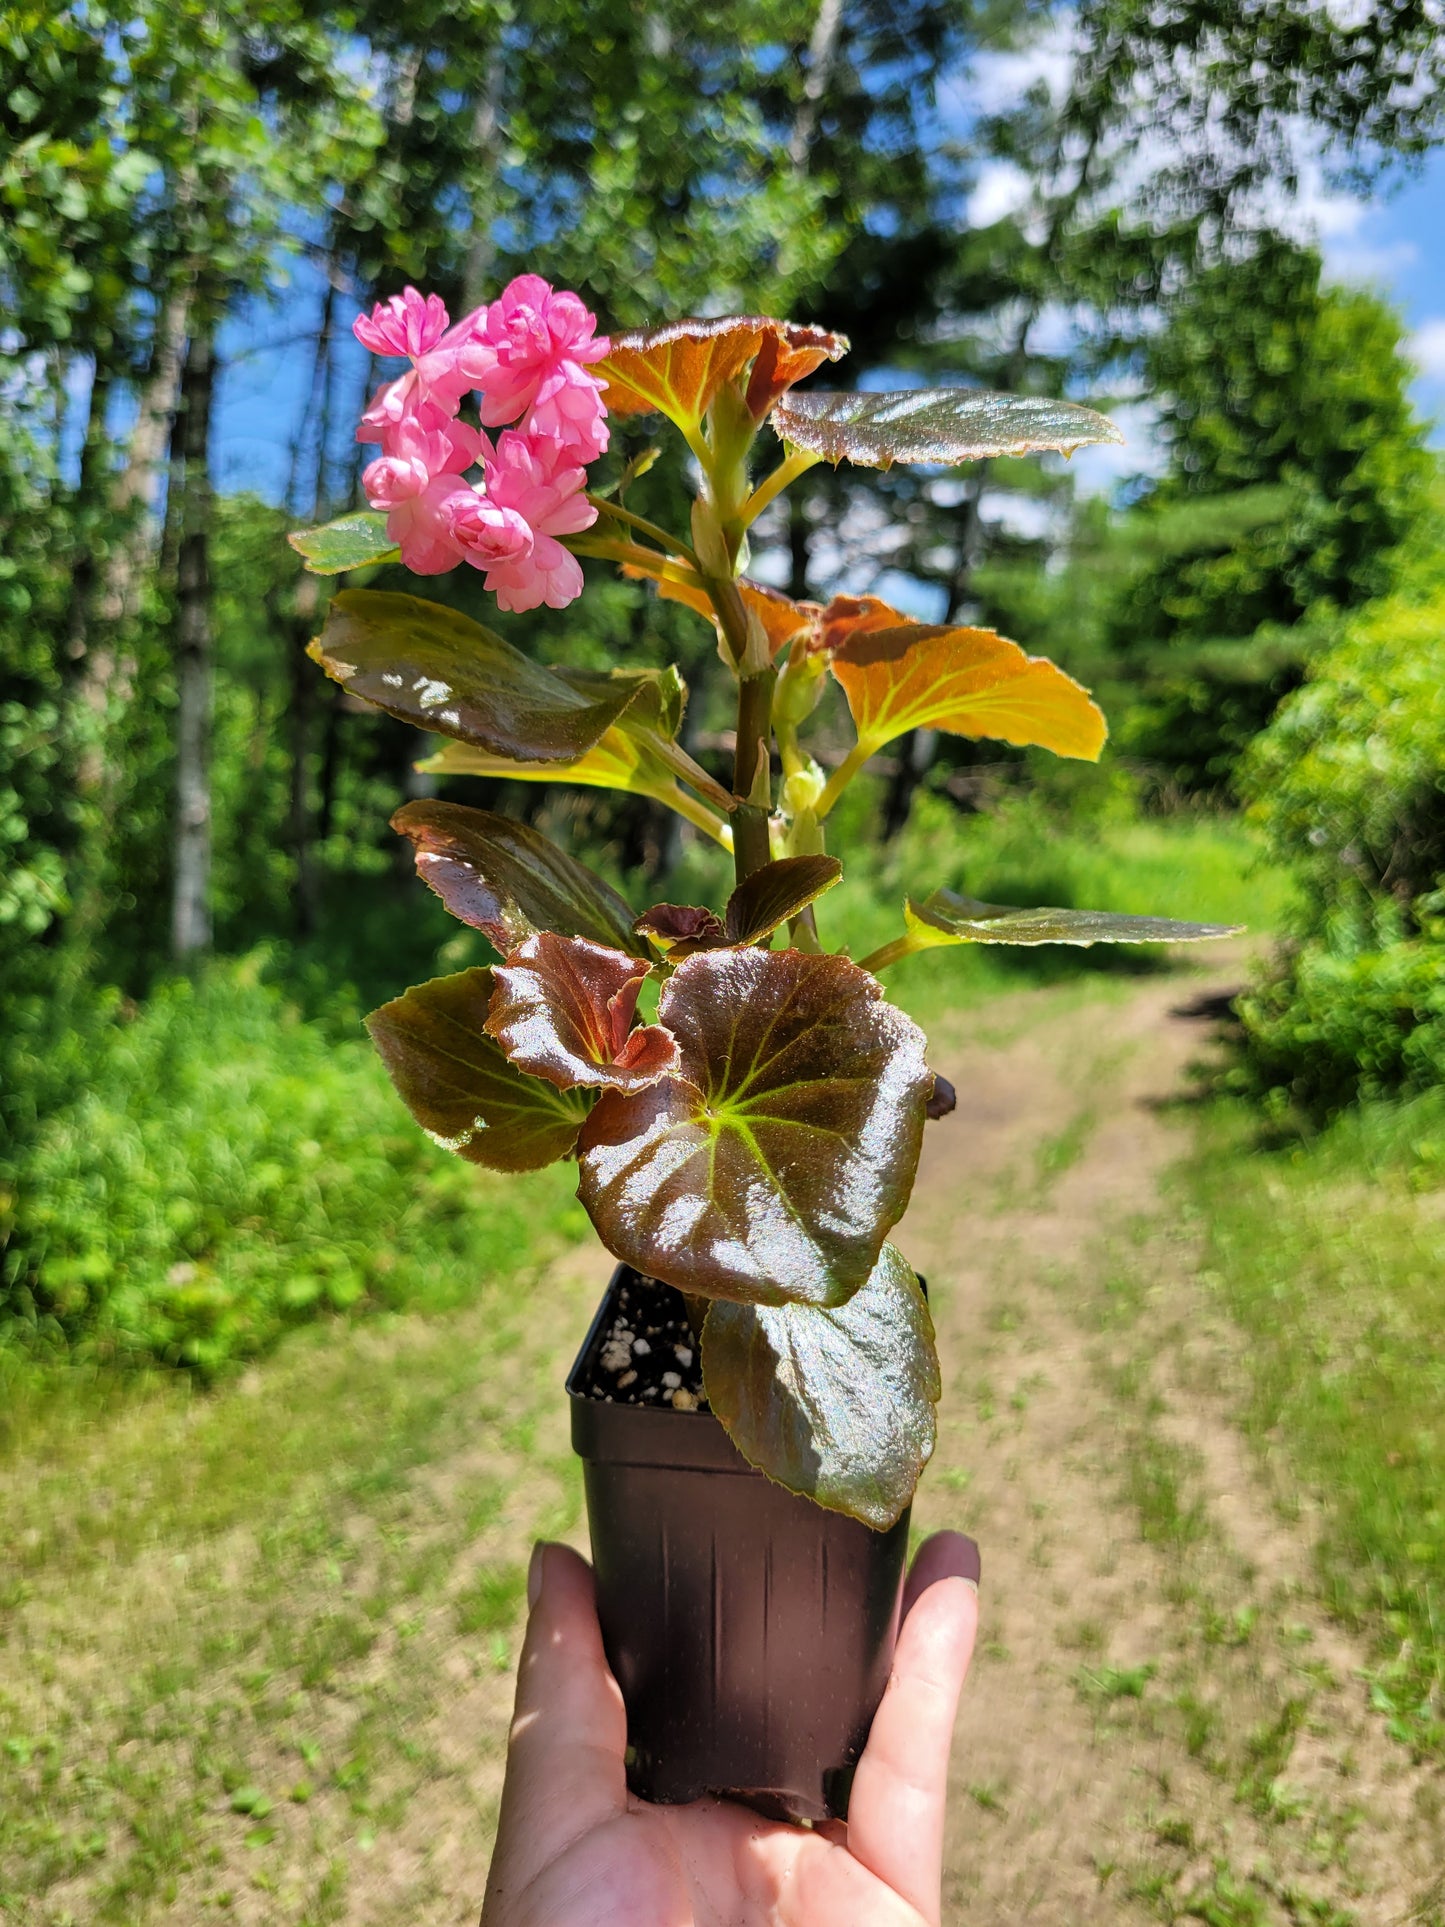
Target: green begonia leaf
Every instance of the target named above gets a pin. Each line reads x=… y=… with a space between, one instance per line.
x=946 y=917
x=355 y=541
x=943 y=425
x=444 y=672
x=563 y=1010
x=502 y=877
x=659 y=696
x=771 y=1165
x=458 y=1085
x=838 y=1405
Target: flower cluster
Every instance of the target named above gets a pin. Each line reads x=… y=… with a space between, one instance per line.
x=527 y=355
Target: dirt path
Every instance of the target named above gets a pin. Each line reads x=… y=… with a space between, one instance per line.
x=1163 y=1723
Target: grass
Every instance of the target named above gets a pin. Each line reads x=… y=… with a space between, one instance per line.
x=1329 y=1252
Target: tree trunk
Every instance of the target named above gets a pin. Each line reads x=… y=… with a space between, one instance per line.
x=190 y=902
x=821 y=49
x=98 y=627
x=480 y=249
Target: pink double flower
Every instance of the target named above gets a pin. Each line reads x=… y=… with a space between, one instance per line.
x=527 y=354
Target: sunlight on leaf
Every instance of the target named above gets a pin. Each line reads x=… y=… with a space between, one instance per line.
x=780 y=616
x=941 y=425
x=678 y=369
x=772 y=1165
x=504 y=878
x=838 y=1405
x=946 y=917
x=563 y=1009
x=970 y=682
x=355 y=541
x=438 y=669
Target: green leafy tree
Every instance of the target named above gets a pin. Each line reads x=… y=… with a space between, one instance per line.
x=1285 y=404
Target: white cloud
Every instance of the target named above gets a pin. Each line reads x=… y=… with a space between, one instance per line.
x=1426 y=348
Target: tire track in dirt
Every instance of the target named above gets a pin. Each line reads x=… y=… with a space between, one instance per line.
x=1163 y=1723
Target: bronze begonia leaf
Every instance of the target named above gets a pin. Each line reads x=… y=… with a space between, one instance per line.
x=776 y=892
x=970 y=682
x=458 y=1085
x=508 y=880
x=946 y=917
x=669 y=924
x=563 y=1009
x=442 y=671
x=942 y=425
x=771 y=1165
x=836 y=1404
x=676 y=370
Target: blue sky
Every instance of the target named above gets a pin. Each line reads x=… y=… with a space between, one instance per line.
x=1393 y=242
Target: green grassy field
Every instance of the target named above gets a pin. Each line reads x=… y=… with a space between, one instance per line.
x=1329 y=1254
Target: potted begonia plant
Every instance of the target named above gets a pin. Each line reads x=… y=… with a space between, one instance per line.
x=756 y=1399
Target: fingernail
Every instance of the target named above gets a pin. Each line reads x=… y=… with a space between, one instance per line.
x=534 y=1575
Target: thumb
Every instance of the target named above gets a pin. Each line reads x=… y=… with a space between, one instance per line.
x=565 y=1771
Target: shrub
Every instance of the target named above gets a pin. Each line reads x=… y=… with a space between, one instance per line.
x=1348 y=784
x=228 y=1168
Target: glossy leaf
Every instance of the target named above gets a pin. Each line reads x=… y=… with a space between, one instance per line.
x=943 y=425
x=768 y=898
x=614 y=762
x=458 y=1085
x=970 y=682
x=771 y=1166
x=781 y=618
x=355 y=541
x=441 y=671
x=669 y=925
x=563 y=1009
x=510 y=881
x=946 y=917
x=678 y=369
x=776 y=892
x=658 y=696
x=847 y=616
x=838 y=1405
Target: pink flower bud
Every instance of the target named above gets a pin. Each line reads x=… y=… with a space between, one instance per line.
x=487 y=535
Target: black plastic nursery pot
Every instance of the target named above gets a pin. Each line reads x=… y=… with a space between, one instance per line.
x=751 y=1631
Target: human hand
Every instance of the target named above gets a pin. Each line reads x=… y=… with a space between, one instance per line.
x=575 y=1849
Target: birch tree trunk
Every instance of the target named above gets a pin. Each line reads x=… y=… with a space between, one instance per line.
x=190 y=901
